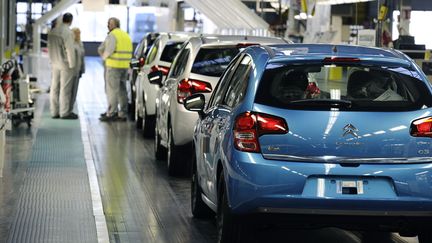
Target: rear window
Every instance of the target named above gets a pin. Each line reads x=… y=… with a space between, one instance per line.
x=212 y=61
x=170 y=51
x=357 y=88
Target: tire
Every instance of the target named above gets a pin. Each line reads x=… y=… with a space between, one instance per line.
x=173 y=155
x=199 y=209
x=159 y=151
x=147 y=124
x=229 y=227
x=425 y=237
x=138 y=119
x=132 y=106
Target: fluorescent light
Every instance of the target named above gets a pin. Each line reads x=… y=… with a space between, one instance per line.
x=401 y=127
x=379 y=132
x=334 y=2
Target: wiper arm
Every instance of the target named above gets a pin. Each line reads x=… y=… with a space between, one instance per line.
x=323 y=103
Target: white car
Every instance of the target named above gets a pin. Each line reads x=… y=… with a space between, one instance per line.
x=196 y=69
x=159 y=58
x=136 y=63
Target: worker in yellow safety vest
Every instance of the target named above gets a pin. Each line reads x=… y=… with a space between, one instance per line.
x=116 y=51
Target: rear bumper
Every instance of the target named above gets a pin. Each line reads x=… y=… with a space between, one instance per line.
x=256 y=185
x=409 y=226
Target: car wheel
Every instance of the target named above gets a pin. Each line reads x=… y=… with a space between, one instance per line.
x=147 y=123
x=133 y=98
x=425 y=236
x=198 y=207
x=172 y=155
x=138 y=119
x=229 y=227
x=159 y=150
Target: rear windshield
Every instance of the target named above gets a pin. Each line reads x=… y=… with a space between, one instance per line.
x=212 y=61
x=170 y=51
x=357 y=88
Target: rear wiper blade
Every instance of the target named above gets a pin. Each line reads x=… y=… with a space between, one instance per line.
x=323 y=103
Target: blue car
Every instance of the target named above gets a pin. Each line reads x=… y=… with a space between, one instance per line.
x=332 y=135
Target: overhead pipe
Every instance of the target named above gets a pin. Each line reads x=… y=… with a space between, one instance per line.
x=250 y=18
x=217 y=9
x=213 y=15
x=223 y=13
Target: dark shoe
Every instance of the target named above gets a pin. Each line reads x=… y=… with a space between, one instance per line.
x=71 y=116
x=108 y=118
x=55 y=117
x=105 y=114
x=121 y=119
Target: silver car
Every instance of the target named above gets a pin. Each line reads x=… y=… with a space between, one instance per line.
x=196 y=69
x=159 y=58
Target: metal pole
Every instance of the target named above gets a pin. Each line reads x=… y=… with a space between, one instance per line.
x=381 y=17
x=127 y=19
x=262 y=9
x=379 y=27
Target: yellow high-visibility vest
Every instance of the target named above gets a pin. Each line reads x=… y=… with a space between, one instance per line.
x=123 y=51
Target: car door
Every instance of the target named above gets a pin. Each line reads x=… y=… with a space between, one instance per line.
x=205 y=159
x=223 y=114
x=140 y=84
x=166 y=92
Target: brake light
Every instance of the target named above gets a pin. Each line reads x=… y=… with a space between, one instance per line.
x=163 y=69
x=141 y=61
x=422 y=127
x=249 y=126
x=340 y=59
x=188 y=87
x=244 y=45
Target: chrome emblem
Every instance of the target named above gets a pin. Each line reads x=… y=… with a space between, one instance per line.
x=350 y=129
x=273 y=148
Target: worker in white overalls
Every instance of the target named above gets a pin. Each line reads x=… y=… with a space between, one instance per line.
x=62 y=55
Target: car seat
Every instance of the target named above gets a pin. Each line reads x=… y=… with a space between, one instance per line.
x=371 y=85
x=292 y=85
x=357 y=84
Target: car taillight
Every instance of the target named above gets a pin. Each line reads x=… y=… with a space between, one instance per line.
x=249 y=126
x=340 y=59
x=188 y=87
x=244 y=45
x=422 y=127
x=163 y=69
x=141 y=61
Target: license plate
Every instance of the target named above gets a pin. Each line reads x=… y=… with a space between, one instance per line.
x=349 y=187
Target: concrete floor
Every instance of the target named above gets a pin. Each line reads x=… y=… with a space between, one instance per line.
x=140 y=201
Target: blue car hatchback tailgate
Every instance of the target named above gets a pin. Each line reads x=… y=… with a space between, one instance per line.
x=346 y=137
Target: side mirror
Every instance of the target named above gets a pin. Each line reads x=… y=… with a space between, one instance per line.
x=134 y=64
x=195 y=102
x=155 y=77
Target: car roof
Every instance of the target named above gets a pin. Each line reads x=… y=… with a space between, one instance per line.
x=310 y=53
x=232 y=40
x=244 y=38
x=176 y=36
x=331 y=50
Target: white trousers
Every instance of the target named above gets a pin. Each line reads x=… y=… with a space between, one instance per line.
x=61 y=91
